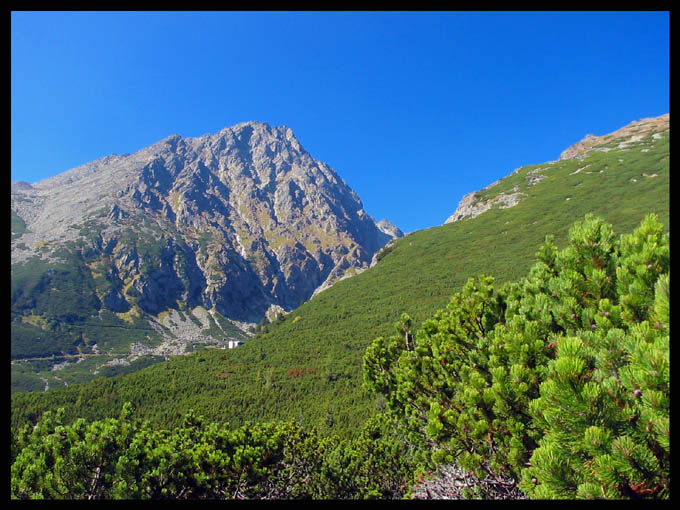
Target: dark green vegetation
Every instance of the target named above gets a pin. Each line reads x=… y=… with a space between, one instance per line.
x=121 y=458
x=61 y=308
x=57 y=316
x=559 y=381
x=18 y=226
x=61 y=298
x=307 y=367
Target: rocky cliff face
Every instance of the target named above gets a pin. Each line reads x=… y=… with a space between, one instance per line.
x=232 y=222
x=473 y=204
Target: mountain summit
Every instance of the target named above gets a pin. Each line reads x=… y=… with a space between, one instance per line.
x=230 y=223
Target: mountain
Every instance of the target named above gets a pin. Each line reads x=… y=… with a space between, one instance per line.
x=307 y=365
x=187 y=241
x=634 y=136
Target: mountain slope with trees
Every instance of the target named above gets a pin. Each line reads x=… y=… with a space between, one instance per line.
x=560 y=381
x=307 y=366
x=556 y=384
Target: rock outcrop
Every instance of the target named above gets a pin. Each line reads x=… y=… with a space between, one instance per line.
x=621 y=138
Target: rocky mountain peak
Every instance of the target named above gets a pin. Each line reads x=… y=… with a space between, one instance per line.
x=237 y=221
x=390 y=229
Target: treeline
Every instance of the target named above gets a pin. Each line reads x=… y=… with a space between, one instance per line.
x=556 y=385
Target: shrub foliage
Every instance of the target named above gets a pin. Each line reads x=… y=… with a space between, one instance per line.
x=121 y=458
x=559 y=381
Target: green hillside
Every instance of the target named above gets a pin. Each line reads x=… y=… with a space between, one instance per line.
x=60 y=316
x=307 y=367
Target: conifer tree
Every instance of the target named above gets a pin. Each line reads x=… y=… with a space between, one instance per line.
x=604 y=405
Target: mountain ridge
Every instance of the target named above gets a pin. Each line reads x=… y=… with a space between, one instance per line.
x=472 y=204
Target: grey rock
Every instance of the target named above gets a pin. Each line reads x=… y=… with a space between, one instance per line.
x=624 y=137
x=389 y=229
x=238 y=221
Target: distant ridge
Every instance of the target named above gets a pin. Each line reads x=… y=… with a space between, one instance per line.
x=472 y=205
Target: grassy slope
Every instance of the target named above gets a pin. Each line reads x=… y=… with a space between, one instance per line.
x=308 y=367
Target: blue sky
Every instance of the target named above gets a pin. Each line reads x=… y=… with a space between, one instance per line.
x=412 y=109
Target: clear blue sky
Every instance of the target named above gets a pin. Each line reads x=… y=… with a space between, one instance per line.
x=412 y=109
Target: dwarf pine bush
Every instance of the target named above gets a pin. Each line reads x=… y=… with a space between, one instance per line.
x=560 y=380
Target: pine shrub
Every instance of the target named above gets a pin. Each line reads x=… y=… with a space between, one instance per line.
x=559 y=381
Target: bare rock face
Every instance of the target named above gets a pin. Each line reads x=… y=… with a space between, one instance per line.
x=236 y=221
x=468 y=207
x=386 y=227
